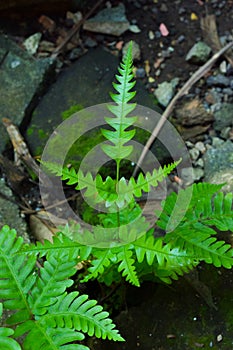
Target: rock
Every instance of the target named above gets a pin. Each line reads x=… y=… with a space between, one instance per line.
x=198 y=173
x=220 y=177
x=90 y=43
x=218 y=80
x=165 y=91
x=223 y=67
x=190 y=113
x=218 y=158
x=200 y=146
x=187 y=176
x=9 y=212
x=31 y=44
x=194 y=153
x=136 y=52
x=86 y=83
x=140 y=73
x=109 y=21
x=199 y=163
x=212 y=97
x=216 y=142
x=199 y=53
x=134 y=29
x=224 y=116
x=225 y=132
x=22 y=80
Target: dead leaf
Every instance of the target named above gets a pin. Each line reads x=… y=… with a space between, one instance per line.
x=47 y=23
x=39 y=229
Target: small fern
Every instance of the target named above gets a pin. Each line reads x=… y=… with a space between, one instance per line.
x=122 y=244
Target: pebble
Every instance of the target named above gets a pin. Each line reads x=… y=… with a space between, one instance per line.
x=187 y=175
x=218 y=80
x=198 y=173
x=200 y=146
x=89 y=42
x=189 y=144
x=224 y=116
x=75 y=53
x=181 y=39
x=223 y=67
x=151 y=35
x=181 y=11
x=216 y=142
x=194 y=153
x=134 y=29
x=163 y=7
x=225 y=132
x=108 y=21
x=165 y=91
x=199 y=53
x=199 y=163
x=140 y=73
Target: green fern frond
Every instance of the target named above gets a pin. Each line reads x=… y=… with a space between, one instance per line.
x=100 y=262
x=52 y=282
x=204 y=204
x=61 y=243
x=43 y=337
x=127 y=267
x=76 y=312
x=197 y=241
x=120 y=136
x=16 y=275
x=6 y=342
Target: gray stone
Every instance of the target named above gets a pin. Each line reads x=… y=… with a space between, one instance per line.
x=199 y=163
x=109 y=21
x=222 y=176
x=22 y=80
x=200 y=146
x=194 y=153
x=136 y=52
x=198 y=173
x=86 y=83
x=165 y=91
x=140 y=73
x=218 y=80
x=216 y=142
x=224 y=116
x=9 y=212
x=218 y=158
x=187 y=176
x=199 y=53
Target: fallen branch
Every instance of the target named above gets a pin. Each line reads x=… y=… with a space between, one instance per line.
x=184 y=90
x=20 y=146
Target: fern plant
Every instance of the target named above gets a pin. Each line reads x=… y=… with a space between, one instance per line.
x=34 y=278
x=122 y=243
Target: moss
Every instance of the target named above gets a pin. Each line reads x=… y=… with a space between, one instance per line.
x=73 y=109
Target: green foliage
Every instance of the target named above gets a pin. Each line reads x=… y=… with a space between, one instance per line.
x=5 y=333
x=43 y=311
x=123 y=245
x=120 y=246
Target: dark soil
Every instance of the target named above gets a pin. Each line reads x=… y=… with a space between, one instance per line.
x=148 y=15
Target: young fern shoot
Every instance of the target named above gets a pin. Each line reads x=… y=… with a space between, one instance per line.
x=121 y=121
